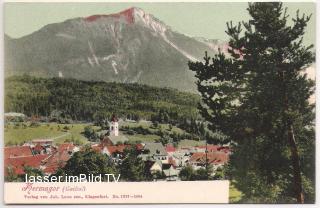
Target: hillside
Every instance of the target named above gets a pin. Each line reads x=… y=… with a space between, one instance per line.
x=88 y=100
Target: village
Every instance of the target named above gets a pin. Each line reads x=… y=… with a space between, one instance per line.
x=165 y=160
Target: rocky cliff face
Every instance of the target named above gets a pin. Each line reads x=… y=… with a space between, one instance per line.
x=129 y=46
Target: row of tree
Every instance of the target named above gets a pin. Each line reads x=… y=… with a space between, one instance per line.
x=63 y=100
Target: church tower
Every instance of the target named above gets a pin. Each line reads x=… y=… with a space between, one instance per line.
x=114 y=126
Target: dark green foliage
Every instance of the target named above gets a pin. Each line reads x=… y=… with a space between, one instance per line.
x=220 y=173
x=187 y=173
x=30 y=171
x=158 y=175
x=217 y=83
x=201 y=174
x=132 y=167
x=59 y=117
x=88 y=162
x=101 y=119
x=90 y=133
x=11 y=176
x=164 y=140
x=94 y=101
x=258 y=97
x=275 y=100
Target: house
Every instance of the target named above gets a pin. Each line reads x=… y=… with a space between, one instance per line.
x=170 y=172
x=170 y=149
x=225 y=149
x=98 y=148
x=42 y=142
x=17 y=151
x=69 y=147
x=165 y=169
x=39 y=149
x=180 y=157
x=212 y=148
x=41 y=156
x=17 y=164
x=116 y=152
x=14 y=117
x=118 y=139
x=156 y=167
x=155 y=151
x=55 y=161
x=106 y=141
x=216 y=159
x=209 y=147
x=172 y=161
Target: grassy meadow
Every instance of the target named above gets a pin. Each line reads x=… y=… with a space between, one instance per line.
x=15 y=134
x=19 y=133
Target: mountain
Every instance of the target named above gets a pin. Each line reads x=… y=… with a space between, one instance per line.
x=128 y=47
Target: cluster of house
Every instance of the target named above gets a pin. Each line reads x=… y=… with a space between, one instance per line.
x=40 y=154
x=166 y=160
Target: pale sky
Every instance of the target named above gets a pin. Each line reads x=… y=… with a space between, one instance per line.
x=194 y=19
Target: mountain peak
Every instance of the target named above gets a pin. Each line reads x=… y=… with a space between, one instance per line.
x=129 y=15
x=133 y=15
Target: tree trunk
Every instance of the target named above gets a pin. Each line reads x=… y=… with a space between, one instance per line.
x=293 y=147
x=296 y=166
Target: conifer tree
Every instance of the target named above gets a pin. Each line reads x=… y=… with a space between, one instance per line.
x=262 y=104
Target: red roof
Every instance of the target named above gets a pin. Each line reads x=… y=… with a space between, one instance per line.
x=213 y=157
x=117 y=148
x=170 y=148
x=38 y=148
x=56 y=160
x=210 y=147
x=18 y=163
x=139 y=146
x=114 y=118
x=65 y=147
x=224 y=149
x=106 y=141
x=17 y=151
x=215 y=148
x=97 y=148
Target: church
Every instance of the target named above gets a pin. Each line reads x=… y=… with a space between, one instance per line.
x=114 y=126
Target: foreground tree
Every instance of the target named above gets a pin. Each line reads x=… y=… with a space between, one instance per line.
x=88 y=162
x=259 y=98
x=133 y=167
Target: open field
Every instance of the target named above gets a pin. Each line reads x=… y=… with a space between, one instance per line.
x=188 y=143
x=14 y=134
x=153 y=137
x=19 y=133
x=142 y=138
x=148 y=124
